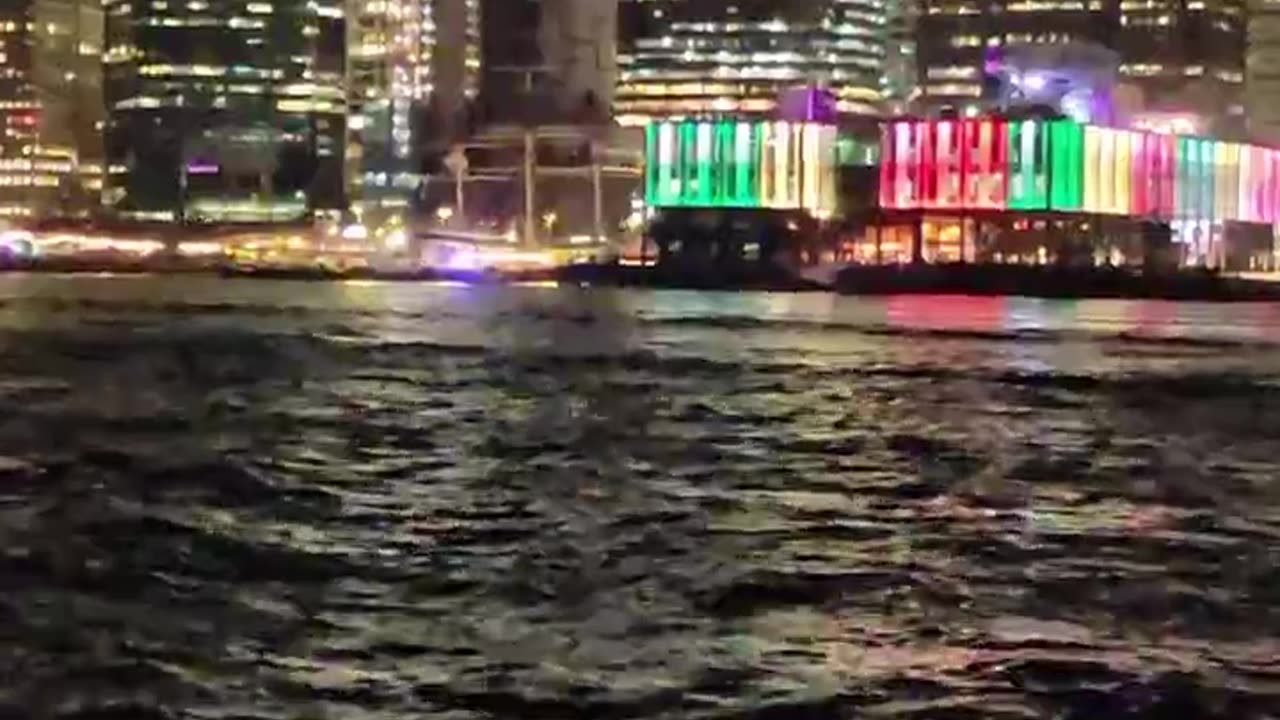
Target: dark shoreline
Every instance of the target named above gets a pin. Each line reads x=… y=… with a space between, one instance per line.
x=975 y=280
x=1055 y=282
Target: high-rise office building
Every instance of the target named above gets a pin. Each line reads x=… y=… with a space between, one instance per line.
x=1186 y=56
x=413 y=68
x=700 y=57
x=900 y=85
x=50 y=108
x=579 y=46
x=548 y=60
x=1263 y=70
x=543 y=162
x=956 y=38
x=225 y=109
x=1176 y=55
x=511 y=63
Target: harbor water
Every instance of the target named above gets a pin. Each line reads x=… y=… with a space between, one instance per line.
x=261 y=499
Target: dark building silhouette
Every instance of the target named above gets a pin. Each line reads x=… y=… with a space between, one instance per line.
x=513 y=69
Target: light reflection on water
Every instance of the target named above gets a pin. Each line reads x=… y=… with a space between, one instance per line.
x=261 y=499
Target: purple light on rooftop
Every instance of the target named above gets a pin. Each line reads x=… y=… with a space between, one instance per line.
x=992 y=61
x=202 y=169
x=808 y=104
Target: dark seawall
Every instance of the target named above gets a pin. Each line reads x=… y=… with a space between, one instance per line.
x=1053 y=282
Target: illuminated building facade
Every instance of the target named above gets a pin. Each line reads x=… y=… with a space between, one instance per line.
x=413 y=68
x=1179 y=55
x=947 y=187
x=1196 y=185
x=225 y=110
x=704 y=57
x=729 y=164
x=1263 y=70
x=50 y=108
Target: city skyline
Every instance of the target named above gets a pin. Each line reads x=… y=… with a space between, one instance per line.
x=242 y=110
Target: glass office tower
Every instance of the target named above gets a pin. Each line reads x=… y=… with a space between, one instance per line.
x=697 y=57
x=225 y=110
x=1177 y=56
x=50 y=108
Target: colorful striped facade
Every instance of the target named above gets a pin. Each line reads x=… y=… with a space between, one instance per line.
x=1064 y=166
x=971 y=165
x=775 y=165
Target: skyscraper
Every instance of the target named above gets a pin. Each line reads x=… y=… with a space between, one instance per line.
x=1177 y=55
x=1186 y=56
x=548 y=59
x=50 y=109
x=901 y=83
x=225 y=109
x=511 y=57
x=694 y=57
x=413 y=67
x=1263 y=70
x=954 y=40
x=543 y=162
x=579 y=46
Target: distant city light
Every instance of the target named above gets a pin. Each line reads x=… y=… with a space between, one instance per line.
x=1168 y=124
x=397 y=239
x=1035 y=82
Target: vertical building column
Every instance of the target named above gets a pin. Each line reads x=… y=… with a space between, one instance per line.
x=578 y=39
x=454 y=63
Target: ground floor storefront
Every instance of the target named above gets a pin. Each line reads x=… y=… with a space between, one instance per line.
x=732 y=238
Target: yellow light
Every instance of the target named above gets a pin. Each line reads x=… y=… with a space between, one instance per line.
x=1123 y=170
x=397 y=239
x=767 y=161
x=812 y=175
x=782 y=165
x=201 y=248
x=1092 y=164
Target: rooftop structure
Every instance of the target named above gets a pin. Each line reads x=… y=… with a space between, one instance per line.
x=1075 y=79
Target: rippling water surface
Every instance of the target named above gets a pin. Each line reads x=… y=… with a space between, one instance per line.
x=231 y=499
